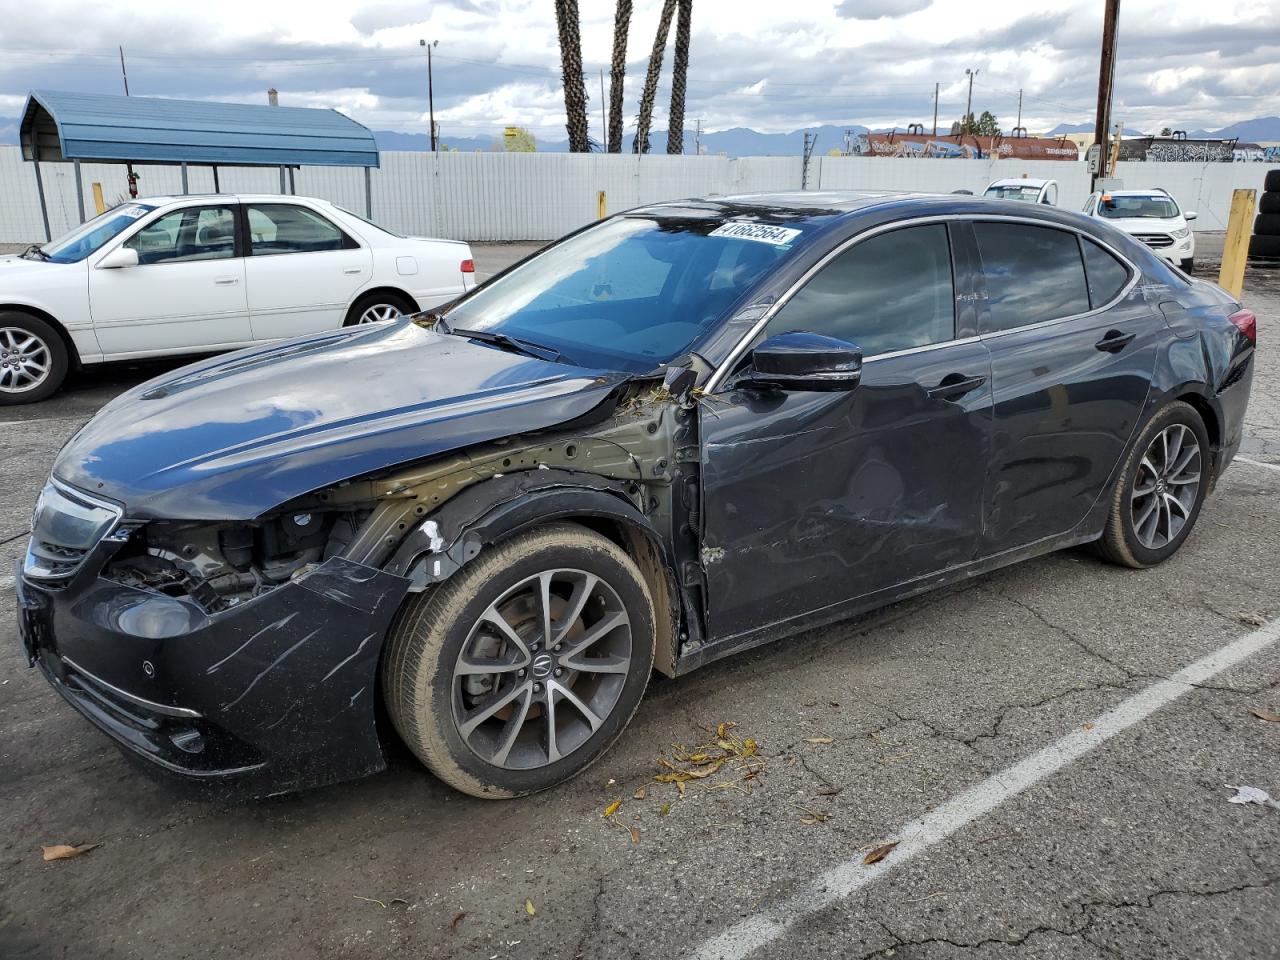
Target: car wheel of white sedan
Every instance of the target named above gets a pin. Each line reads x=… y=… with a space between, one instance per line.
x=33 y=358
x=376 y=308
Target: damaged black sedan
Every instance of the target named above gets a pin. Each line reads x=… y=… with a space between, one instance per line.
x=673 y=435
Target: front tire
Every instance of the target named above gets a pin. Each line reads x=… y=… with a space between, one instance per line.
x=525 y=666
x=33 y=358
x=1188 y=266
x=1157 y=497
x=376 y=307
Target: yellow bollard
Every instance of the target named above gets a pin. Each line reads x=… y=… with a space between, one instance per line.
x=97 y=198
x=1239 y=226
x=600 y=205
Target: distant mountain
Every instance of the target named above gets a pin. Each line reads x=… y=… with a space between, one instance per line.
x=1259 y=128
x=1063 y=129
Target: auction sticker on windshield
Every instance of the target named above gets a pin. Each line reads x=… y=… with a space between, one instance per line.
x=134 y=211
x=760 y=232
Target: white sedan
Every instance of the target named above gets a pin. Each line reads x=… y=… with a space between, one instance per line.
x=175 y=275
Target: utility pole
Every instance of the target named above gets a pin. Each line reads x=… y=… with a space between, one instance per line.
x=1106 y=81
x=810 y=141
x=1019 y=125
x=130 y=176
x=124 y=73
x=431 y=97
x=604 y=117
x=697 y=137
x=935 y=108
x=967 y=126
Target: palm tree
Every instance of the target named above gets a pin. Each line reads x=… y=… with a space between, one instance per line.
x=651 y=78
x=679 y=71
x=618 y=75
x=575 y=91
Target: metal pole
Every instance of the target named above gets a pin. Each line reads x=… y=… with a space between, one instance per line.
x=293 y=187
x=935 y=108
x=184 y=179
x=431 y=99
x=79 y=191
x=282 y=179
x=216 y=188
x=128 y=167
x=1019 y=126
x=44 y=207
x=368 y=192
x=1106 y=75
x=968 y=106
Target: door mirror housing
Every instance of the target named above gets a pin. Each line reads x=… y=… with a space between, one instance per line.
x=119 y=257
x=804 y=361
x=1188 y=215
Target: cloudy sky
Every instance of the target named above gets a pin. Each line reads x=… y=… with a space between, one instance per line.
x=775 y=66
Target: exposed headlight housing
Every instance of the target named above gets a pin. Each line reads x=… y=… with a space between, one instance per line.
x=66 y=525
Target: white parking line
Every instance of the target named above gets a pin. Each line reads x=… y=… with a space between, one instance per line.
x=1258 y=463
x=748 y=936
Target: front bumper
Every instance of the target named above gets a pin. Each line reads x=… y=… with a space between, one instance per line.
x=275 y=694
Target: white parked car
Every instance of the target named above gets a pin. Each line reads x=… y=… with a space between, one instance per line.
x=174 y=275
x=1027 y=189
x=1153 y=217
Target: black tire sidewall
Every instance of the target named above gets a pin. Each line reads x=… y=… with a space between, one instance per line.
x=633 y=594
x=399 y=301
x=1175 y=413
x=60 y=361
x=1269 y=202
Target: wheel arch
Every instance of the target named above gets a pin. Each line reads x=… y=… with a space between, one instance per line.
x=383 y=289
x=73 y=355
x=499 y=509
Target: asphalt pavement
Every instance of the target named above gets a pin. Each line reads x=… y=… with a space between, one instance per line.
x=1048 y=746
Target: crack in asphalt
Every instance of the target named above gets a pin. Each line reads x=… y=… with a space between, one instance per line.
x=1090 y=913
x=593 y=922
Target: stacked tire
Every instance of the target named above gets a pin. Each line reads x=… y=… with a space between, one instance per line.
x=1265 y=242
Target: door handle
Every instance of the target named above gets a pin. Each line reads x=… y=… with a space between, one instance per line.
x=1114 y=341
x=354 y=270
x=954 y=386
x=226 y=281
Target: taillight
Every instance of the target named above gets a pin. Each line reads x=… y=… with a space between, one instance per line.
x=1246 y=322
x=468 y=266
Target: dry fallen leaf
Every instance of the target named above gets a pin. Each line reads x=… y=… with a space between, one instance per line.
x=529 y=908
x=812 y=816
x=457 y=919
x=818 y=740
x=879 y=853
x=638 y=795
x=62 y=851
x=1266 y=715
x=1089 y=725
x=635 y=835
x=1252 y=619
x=612 y=808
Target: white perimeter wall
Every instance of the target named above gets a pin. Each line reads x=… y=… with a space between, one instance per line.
x=513 y=196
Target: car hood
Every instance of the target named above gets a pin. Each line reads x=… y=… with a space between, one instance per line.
x=1146 y=225
x=16 y=270
x=233 y=437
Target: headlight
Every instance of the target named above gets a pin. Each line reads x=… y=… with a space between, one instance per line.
x=67 y=524
x=1181 y=234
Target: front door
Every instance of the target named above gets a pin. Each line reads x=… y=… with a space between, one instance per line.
x=812 y=499
x=186 y=293
x=1073 y=351
x=303 y=270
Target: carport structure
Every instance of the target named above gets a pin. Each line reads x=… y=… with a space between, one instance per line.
x=59 y=126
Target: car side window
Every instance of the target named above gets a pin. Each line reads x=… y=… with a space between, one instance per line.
x=1107 y=275
x=287 y=228
x=891 y=292
x=196 y=233
x=1033 y=274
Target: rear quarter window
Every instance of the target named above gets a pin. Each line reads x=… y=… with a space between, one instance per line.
x=1107 y=275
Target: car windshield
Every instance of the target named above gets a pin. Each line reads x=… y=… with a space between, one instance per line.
x=632 y=293
x=1017 y=192
x=1138 y=208
x=85 y=239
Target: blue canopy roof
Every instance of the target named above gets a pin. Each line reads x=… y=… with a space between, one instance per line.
x=94 y=126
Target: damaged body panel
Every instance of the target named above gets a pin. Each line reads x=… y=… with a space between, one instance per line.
x=681 y=432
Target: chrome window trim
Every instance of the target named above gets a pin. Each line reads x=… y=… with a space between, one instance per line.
x=726 y=365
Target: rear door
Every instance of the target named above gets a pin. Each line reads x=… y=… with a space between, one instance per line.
x=1073 y=348
x=302 y=270
x=187 y=291
x=812 y=499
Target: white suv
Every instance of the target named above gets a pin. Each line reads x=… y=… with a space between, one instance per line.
x=1151 y=216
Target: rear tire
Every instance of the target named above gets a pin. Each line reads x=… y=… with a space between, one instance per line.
x=560 y=623
x=33 y=358
x=375 y=307
x=1156 y=499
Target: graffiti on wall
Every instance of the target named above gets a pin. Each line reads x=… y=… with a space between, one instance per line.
x=918 y=145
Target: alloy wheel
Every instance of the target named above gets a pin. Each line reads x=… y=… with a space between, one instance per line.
x=25 y=360
x=378 y=312
x=1166 y=486
x=541 y=669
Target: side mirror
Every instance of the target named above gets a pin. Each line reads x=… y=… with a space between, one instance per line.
x=1188 y=215
x=119 y=257
x=804 y=361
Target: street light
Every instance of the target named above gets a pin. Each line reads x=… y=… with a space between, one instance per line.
x=431 y=103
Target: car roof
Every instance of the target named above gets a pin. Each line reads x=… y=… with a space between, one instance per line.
x=239 y=197
x=1151 y=192
x=1018 y=182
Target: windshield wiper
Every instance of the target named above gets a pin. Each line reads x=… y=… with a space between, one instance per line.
x=517 y=345
x=37 y=250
